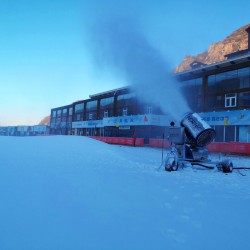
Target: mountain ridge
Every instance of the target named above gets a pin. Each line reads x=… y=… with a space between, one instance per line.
x=236 y=41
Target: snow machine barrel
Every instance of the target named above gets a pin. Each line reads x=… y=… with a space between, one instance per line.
x=198 y=132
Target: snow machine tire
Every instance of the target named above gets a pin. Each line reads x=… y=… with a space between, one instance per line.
x=171 y=167
x=227 y=166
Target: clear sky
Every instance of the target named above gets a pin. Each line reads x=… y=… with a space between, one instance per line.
x=45 y=55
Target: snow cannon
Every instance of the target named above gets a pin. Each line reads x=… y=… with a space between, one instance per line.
x=188 y=142
x=197 y=131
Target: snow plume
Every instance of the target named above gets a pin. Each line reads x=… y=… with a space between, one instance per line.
x=120 y=45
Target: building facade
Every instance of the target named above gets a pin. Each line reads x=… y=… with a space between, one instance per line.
x=219 y=92
x=61 y=120
x=115 y=113
x=25 y=130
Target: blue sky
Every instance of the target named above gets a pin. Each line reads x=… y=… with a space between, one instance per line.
x=46 y=59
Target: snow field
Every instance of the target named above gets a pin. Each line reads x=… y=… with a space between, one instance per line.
x=68 y=192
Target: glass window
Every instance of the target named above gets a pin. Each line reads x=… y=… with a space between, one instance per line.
x=91 y=105
x=126 y=96
x=70 y=111
x=219 y=133
x=107 y=102
x=244 y=75
x=220 y=101
x=229 y=81
x=244 y=132
x=148 y=110
x=78 y=117
x=65 y=111
x=192 y=90
x=105 y=114
x=54 y=113
x=244 y=99
x=211 y=79
x=226 y=75
x=59 y=112
x=106 y=107
x=125 y=112
x=127 y=101
x=230 y=133
x=230 y=100
x=226 y=81
x=79 y=107
x=58 y=120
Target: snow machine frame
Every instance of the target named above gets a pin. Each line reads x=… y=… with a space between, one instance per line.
x=188 y=142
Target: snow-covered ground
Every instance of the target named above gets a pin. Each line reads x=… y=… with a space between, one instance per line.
x=67 y=192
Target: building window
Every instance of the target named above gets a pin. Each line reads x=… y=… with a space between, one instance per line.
x=230 y=100
x=126 y=101
x=92 y=105
x=148 y=110
x=78 y=117
x=54 y=114
x=192 y=90
x=107 y=102
x=125 y=112
x=59 y=112
x=70 y=111
x=244 y=99
x=79 y=107
x=106 y=114
x=90 y=116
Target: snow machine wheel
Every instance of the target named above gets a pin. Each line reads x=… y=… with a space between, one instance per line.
x=227 y=166
x=171 y=166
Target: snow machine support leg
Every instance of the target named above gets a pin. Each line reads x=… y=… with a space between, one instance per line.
x=171 y=162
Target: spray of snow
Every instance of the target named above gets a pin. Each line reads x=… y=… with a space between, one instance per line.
x=120 y=45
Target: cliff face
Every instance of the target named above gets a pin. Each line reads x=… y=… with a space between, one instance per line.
x=238 y=40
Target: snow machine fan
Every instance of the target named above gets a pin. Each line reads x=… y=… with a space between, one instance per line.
x=197 y=131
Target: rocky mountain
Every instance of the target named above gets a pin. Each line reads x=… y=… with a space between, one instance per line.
x=45 y=121
x=237 y=41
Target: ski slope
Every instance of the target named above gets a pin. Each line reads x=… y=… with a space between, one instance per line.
x=68 y=192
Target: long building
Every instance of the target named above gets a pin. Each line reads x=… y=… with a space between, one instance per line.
x=115 y=113
x=24 y=130
x=219 y=92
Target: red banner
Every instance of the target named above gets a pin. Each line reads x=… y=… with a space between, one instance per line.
x=223 y=147
x=120 y=140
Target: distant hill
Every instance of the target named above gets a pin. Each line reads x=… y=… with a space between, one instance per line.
x=237 y=41
x=45 y=121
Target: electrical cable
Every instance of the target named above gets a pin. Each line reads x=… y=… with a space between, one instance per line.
x=242 y=168
x=241 y=173
x=202 y=165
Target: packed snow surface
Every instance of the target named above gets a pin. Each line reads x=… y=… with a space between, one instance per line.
x=68 y=192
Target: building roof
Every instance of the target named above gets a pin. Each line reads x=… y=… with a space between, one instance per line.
x=237 y=61
x=110 y=92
